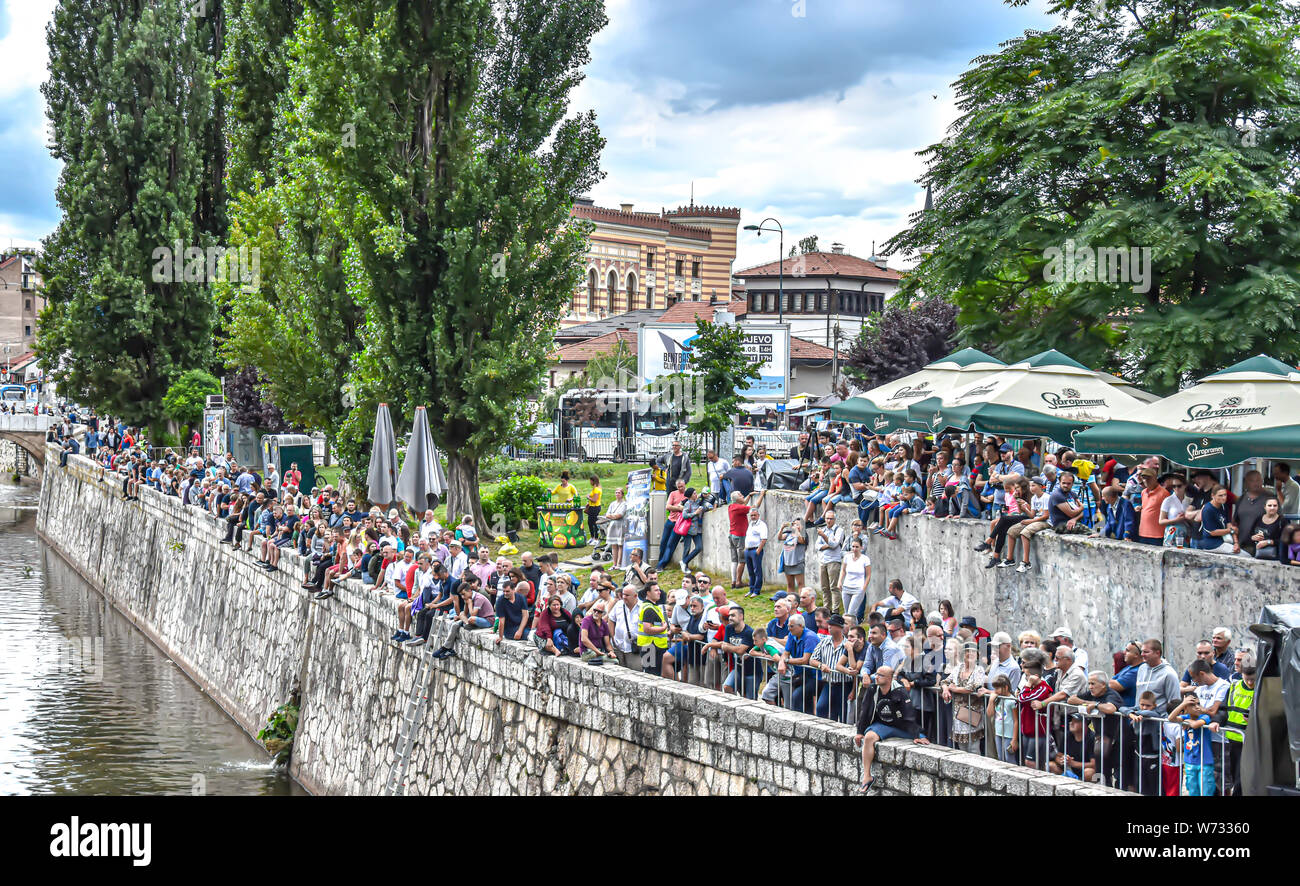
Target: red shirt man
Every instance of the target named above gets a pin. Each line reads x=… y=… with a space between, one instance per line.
x=738 y=518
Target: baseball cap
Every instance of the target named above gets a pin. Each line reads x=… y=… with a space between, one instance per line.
x=967 y=621
x=1006 y=447
x=1146 y=472
x=1001 y=637
x=1039 y=479
x=1063 y=631
x=836 y=619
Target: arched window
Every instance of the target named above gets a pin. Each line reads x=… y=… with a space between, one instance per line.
x=611 y=290
x=631 y=290
x=591 y=291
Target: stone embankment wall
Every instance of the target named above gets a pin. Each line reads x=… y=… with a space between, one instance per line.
x=12 y=458
x=499 y=720
x=1107 y=592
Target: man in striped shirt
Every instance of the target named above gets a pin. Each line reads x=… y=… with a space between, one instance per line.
x=833 y=696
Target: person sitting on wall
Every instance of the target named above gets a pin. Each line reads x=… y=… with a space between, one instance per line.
x=557 y=632
x=473 y=610
x=885 y=711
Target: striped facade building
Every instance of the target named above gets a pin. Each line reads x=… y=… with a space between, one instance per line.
x=649 y=261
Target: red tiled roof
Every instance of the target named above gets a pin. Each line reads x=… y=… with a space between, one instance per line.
x=6 y=262
x=824 y=264
x=687 y=311
x=802 y=349
x=582 y=351
x=641 y=220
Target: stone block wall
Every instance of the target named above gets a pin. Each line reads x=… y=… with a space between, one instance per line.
x=1108 y=592
x=498 y=720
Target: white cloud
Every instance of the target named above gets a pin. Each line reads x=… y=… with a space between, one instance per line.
x=23 y=45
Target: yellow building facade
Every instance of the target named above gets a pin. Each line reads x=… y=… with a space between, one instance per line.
x=651 y=261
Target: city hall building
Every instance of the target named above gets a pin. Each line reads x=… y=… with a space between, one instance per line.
x=651 y=261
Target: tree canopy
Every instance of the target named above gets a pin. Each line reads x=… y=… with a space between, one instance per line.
x=1165 y=125
x=135 y=122
x=900 y=341
x=434 y=139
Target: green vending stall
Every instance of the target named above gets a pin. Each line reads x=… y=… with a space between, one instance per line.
x=286 y=450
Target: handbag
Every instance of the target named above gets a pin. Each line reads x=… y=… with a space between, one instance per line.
x=683 y=525
x=969 y=714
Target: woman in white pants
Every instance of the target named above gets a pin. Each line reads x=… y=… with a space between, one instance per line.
x=855 y=575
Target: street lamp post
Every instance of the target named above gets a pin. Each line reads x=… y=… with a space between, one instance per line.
x=780 y=262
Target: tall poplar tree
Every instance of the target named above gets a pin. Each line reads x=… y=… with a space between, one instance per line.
x=300 y=327
x=132 y=116
x=453 y=196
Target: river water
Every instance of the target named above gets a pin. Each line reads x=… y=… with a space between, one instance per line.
x=88 y=705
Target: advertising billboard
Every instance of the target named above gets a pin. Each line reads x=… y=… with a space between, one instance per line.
x=637 y=516
x=665 y=348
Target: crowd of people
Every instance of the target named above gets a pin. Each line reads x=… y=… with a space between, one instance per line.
x=892 y=667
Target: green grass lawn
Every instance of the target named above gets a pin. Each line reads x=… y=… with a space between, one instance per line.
x=757 y=611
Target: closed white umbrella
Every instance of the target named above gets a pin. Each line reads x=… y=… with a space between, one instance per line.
x=421 y=481
x=381 y=479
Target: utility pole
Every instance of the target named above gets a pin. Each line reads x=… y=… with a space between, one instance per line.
x=835 y=362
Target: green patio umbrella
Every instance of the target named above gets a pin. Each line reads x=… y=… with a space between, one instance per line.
x=884 y=409
x=1249 y=410
x=1048 y=395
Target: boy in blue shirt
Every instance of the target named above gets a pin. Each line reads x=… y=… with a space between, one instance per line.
x=1198 y=748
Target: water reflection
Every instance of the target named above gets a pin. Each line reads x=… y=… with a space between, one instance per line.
x=87 y=704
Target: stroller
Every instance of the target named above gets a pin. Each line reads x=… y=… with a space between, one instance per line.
x=603 y=552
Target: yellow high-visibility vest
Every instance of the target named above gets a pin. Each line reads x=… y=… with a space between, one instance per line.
x=1239 y=699
x=644 y=639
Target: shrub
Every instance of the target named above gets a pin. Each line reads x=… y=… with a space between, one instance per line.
x=517 y=498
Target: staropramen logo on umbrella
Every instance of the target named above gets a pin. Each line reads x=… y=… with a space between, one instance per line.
x=1069 y=398
x=1230 y=407
x=1204 y=450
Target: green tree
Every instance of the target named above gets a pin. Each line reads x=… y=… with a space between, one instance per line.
x=452 y=202
x=132 y=116
x=300 y=327
x=706 y=393
x=184 y=401
x=1167 y=124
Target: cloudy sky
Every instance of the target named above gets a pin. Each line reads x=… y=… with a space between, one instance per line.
x=807 y=110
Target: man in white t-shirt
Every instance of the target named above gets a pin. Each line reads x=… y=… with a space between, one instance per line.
x=715 y=467
x=456 y=560
x=755 y=542
x=897 y=603
x=624 y=617
x=429 y=526
x=395 y=572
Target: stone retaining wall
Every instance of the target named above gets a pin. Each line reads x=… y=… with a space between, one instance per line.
x=499 y=720
x=1108 y=592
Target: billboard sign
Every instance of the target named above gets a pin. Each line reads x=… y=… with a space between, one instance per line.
x=636 y=533
x=665 y=348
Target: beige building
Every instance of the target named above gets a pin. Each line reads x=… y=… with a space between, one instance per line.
x=20 y=302
x=651 y=261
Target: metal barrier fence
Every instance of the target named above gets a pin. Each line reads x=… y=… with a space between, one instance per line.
x=1141 y=751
